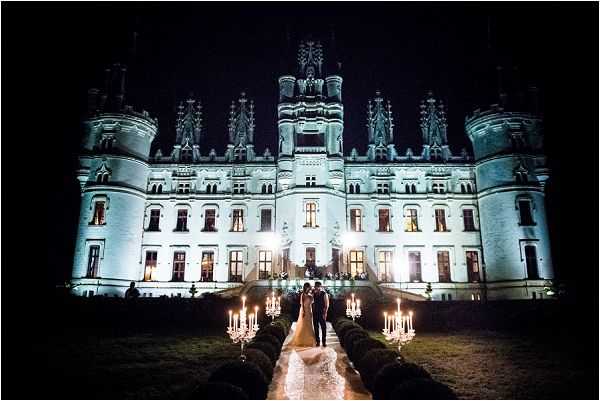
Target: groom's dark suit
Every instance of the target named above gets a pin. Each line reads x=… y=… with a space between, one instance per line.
x=319 y=315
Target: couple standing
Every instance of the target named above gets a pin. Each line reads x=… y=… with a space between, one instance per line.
x=313 y=313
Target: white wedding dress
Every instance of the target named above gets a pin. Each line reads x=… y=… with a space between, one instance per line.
x=304 y=335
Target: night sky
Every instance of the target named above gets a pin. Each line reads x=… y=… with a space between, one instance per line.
x=54 y=52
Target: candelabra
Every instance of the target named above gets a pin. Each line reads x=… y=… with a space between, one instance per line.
x=242 y=327
x=398 y=328
x=353 y=308
x=273 y=308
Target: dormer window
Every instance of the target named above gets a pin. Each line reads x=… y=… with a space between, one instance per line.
x=383 y=188
x=311 y=181
x=438 y=188
x=380 y=154
x=183 y=188
x=239 y=154
x=239 y=188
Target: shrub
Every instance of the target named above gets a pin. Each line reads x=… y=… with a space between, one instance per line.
x=275 y=330
x=346 y=341
x=261 y=360
x=362 y=346
x=268 y=338
x=283 y=325
x=422 y=389
x=345 y=327
x=265 y=347
x=395 y=373
x=339 y=321
x=245 y=375
x=217 y=391
x=371 y=363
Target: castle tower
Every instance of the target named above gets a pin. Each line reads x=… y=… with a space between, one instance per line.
x=380 y=125
x=433 y=127
x=241 y=130
x=189 y=133
x=113 y=174
x=511 y=173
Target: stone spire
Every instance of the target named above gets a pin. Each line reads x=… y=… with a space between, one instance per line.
x=380 y=125
x=310 y=59
x=241 y=130
x=433 y=127
x=189 y=130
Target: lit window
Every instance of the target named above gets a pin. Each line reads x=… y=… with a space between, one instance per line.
x=311 y=214
x=265 y=261
x=311 y=256
x=207 y=266
x=265 y=220
x=154 y=220
x=93 y=261
x=150 y=267
x=384 y=266
x=311 y=181
x=468 y=220
x=472 y=266
x=98 y=218
x=238 y=220
x=210 y=220
x=235 y=266
x=182 y=215
x=525 y=213
x=355 y=220
x=384 y=220
x=411 y=223
x=440 y=220
x=178 y=266
x=414 y=266
x=443 y=260
x=356 y=262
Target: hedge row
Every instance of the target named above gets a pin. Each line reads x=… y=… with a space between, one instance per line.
x=383 y=371
x=249 y=379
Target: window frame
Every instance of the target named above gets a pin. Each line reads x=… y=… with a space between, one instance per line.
x=265 y=263
x=93 y=258
x=415 y=275
x=178 y=266
x=209 y=267
x=237 y=222
x=355 y=263
x=150 y=275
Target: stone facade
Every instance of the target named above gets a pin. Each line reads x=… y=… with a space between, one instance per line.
x=471 y=227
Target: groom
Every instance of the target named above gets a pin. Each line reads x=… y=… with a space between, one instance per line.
x=320 y=306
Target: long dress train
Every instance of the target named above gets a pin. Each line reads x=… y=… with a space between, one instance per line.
x=304 y=335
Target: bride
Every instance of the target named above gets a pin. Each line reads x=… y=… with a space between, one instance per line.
x=304 y=336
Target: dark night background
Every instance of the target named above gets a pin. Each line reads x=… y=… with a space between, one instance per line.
x=54 y=52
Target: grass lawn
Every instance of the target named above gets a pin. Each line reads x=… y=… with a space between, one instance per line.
x=497 y=365
x=149 y=365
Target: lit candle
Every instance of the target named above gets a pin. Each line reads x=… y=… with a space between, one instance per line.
x=410 y=320
x=256 y=311
x=398 y=302
x=384 y=321
x=230 y=318
x=235 y=322
x=243 y=302
x=352 y=297
x=347 y=304
x=358 y=303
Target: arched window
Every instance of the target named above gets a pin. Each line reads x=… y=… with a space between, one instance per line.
x=159 y=189
x=153 y=189
x=104 y=178
x=414 y=188
x=357 y=190
x=214 y=188
x=462 y=189
x=264 y=188
x=469 y=189
x=99 y=178
x=270 y=189
x=208 y=189
x=351 y=188
x=407 y=188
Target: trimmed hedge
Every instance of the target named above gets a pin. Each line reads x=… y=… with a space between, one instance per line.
x=422 y=389
x=371 y=363
x=338 y=321
x=362 y=346
x=345 y=327
x=267 y=348
x=275 y=330
x=245 y=375
x=396 y=373
x=261 y=360
x=351 y=336
x=268 y=338
x=217 y=391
